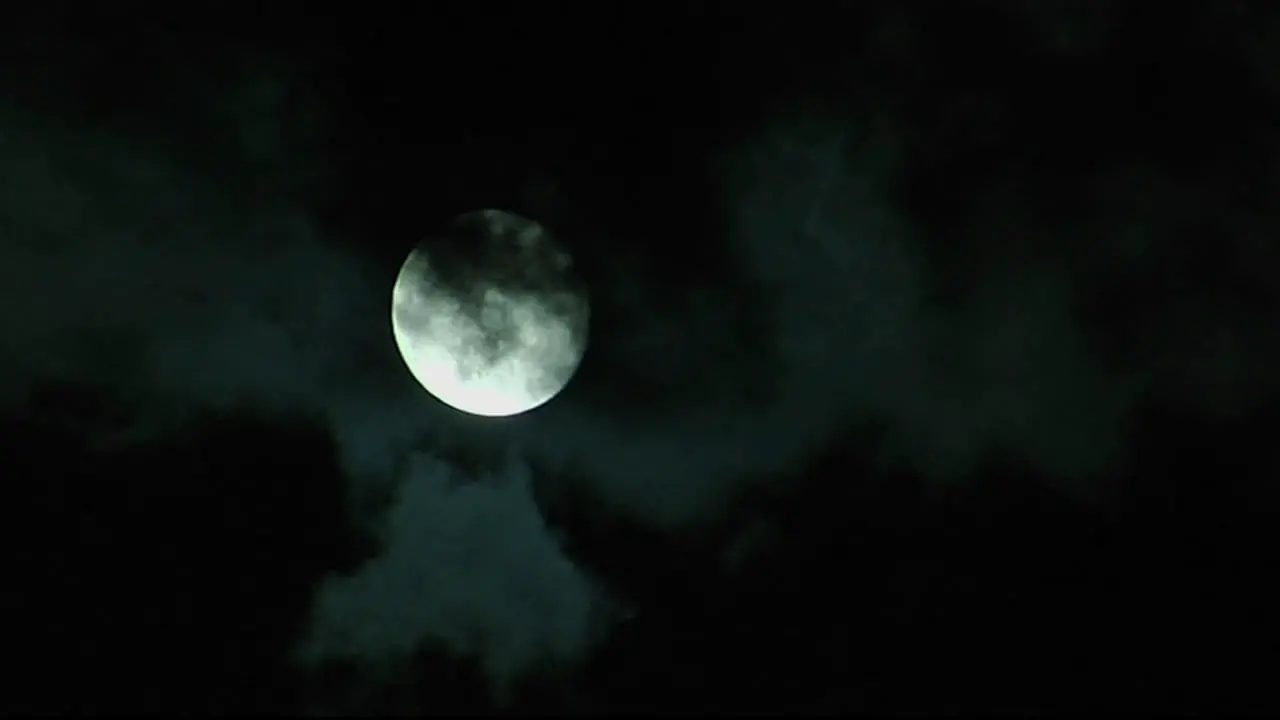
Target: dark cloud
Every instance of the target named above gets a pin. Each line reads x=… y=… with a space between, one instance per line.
x=127 y=271
x=126 y=268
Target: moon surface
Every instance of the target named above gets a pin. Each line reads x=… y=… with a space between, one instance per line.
x=491 y=319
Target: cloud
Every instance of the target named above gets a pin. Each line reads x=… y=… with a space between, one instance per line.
x=999 y=356
x=128 y=272
x=844 y=287
x=468 y=563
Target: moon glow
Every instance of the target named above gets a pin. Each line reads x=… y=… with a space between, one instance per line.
x=492 y=320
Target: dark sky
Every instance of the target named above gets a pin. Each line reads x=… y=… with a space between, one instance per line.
x=931 y=366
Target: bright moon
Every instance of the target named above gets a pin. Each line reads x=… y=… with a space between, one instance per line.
x=491 y=320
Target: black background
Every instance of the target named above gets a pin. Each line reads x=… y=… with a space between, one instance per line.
x=991 y=595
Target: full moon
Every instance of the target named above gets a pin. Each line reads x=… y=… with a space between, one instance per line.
x=491 y=319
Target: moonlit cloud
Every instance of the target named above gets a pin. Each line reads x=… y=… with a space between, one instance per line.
x=127 y=270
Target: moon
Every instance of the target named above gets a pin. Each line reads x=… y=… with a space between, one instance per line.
x=492 y=318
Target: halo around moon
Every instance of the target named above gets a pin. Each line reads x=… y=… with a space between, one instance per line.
x=491 y=319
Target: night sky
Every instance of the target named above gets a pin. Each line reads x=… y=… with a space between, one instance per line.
x=932 y=365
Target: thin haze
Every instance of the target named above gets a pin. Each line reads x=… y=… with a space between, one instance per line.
x=123 y=269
